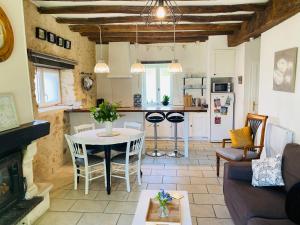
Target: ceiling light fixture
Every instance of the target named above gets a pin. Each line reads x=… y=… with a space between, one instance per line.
x=101 y=66
x=175 y=66
x=161 y=11
x=137 y=67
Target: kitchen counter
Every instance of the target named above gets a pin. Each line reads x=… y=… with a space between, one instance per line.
x=151 y=109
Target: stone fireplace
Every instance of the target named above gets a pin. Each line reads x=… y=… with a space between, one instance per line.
x=21 y=201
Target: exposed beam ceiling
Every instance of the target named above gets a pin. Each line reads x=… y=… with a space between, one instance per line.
x=276 y=12
x=138 y=19
x=86 y=9
x=153 y=28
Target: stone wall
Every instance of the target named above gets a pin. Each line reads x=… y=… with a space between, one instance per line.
x=52 y=150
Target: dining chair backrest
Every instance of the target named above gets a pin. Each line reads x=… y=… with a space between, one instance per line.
x=77 y=148
x=84 y=127
x=133 y=125
x=135 y=146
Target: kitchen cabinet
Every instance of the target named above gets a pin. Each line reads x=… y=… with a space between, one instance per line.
x=199 y=126
x=224 y=63
x=164 y=129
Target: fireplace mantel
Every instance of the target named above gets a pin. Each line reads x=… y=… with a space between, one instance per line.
x=19 y=138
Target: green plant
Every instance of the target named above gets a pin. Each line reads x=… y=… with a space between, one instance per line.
x=165 y=100
x=163 y=198
x=105 y=112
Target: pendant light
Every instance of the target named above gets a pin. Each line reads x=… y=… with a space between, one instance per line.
x=137 y=67
x=175 y=66
x=101 y=66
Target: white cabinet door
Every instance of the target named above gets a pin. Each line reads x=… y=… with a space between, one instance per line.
x=224 y=62
x=199 y=126
x=164 y=129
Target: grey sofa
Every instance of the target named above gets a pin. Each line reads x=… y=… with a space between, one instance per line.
x=250 y=205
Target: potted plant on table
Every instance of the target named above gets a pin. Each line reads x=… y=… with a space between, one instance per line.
x=166 y=100
x=105 y=113
x=163 y=198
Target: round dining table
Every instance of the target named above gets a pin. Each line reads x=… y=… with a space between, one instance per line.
x=95 y=137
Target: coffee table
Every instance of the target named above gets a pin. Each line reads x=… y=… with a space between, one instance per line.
x=142 y=207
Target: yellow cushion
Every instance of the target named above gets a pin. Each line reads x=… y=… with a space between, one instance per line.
x=241 y=137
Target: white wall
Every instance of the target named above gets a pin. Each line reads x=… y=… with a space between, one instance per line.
x=282 y=107
x=14 y=75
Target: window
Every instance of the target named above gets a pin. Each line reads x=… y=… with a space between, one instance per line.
x=47 y=87
x=157 y=83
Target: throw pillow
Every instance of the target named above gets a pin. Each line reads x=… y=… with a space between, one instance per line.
x=292 y=204
x=267 y=172
x=241 y=137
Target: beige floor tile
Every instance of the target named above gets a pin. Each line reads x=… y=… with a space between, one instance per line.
x=153 y=166
x=125 y=219
x=176 y=167
x=98 y=219
x=79 y=194
x=200 y=167
x=202 y=210
x=61 y=193
x=134 y=196
x=89 y=206
x=209 y=199
x=146 y=172
x=61 y=218
x=176 y=180
x=163 y=172
x=61 y=204
x=191 y=198
x=192 y=188
x=194 y=220
x=204 y=180
x=133 y=187
x=209 y=173
x=214 y=221
x=161 y=186
x=115 y=195
x=121 y=207
x=152 y=179
x=194 y=173
x=221 y=211
x=215 y=189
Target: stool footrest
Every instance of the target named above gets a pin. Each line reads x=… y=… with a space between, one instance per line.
x=156 y=153
x=175 y=154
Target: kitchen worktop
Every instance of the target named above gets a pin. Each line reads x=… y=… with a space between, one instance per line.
x=151 y=109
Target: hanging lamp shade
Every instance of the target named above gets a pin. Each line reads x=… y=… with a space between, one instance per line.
x=101 y=67
x=175 y=67
x=137 y=68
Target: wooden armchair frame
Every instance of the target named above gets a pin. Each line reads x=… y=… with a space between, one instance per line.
x=254 y=121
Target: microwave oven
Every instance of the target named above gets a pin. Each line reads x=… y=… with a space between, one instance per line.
x=221 y=87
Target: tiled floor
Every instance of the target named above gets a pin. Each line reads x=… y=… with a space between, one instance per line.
x=196 y=175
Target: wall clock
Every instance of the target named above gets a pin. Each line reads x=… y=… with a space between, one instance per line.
x=6 y=37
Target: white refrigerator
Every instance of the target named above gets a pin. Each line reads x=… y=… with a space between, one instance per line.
x=221 y=116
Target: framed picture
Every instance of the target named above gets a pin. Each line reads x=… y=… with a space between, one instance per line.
x=59 y=41
x=67 y=44
x=285 y=67
x=8 y=113
x=6 y=37
x=40 y=33
x=51 y=37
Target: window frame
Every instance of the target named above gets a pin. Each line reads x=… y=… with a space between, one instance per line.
x=41 y=91
x=157 y=66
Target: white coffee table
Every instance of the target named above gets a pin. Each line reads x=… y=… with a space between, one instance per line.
x=141 y=210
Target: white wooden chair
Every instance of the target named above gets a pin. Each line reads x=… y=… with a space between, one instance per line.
x=130 y=161
x=133 y=125
x=92 y=166
x=84 y=127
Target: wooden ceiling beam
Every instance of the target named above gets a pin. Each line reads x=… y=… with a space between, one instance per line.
x=179 y=27
x=156 y=34
x=276 y=12
x=149 y=40
x=137 y=19
x=87 y=9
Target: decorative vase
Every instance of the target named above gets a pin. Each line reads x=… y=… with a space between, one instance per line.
x=108 y=127
x=165 y=103
x=163 y=211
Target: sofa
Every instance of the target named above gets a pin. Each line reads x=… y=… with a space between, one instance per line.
x=250 y=205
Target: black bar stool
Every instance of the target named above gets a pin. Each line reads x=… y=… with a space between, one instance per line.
x=175 y=117
x=155 y=117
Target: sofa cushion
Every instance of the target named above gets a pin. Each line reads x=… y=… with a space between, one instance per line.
x=291 y=165
x=292 y=204
x=250 y=201
x=262 y=221
x=236 y=154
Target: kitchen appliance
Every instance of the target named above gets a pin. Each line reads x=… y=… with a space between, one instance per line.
x=221 y=116
x=221 y=87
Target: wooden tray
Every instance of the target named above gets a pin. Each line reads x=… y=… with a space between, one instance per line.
x=103 y=134
x=153 y=218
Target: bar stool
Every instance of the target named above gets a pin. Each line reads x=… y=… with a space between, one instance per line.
x=155 y=118
x=175 y=117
